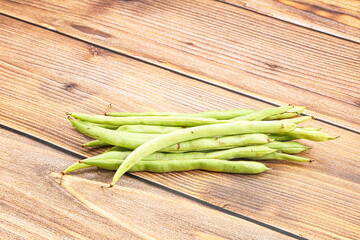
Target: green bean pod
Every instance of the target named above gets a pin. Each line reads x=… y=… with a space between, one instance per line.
x=282 y=156
x=261 y=114
x=214 y=165
x=287 y=147
x=281 y=138
x=159 y=121
x=147 y=129
x=75 y=166
x=216 y=114
x=297 y=119
x=204 y=144
x=240 y=152
x=182 y=135
x=293 y=112
x=309 y=135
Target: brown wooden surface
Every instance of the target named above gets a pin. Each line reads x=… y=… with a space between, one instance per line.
x=44 y=74
x=35 y=206
x=336 y=17
x=218 y=43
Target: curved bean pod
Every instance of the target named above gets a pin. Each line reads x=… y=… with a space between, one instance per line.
x=287 y=147
x=75 y=166
x=212 y=143
x=182 y=135
x=160 y=121
x=261 y=114
x=282 y=156
x=240 y=152
x=147 y=129
x=295 y=111
x=214 y=165
x=216 y=114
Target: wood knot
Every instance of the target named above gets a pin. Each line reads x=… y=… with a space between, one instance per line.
x=69 y=86
x=94 y=51
x=272 y=66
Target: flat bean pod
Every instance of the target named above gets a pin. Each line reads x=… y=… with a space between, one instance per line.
x=159 y=121
x=215 y=165
x=240 y=152
x=213 y=143
x=216 y=114
x=147 y=129
x=122 y=139
x=309 y=135
x=75 y=166
x=297 y=119
x=287 y=147
x=182 y=135
x=282 y=156
x=295 y=111
x=261 y=114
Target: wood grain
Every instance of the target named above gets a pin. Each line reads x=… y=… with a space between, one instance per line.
x=44 y=75
x=34 y=206
x=220 y=44
x=335 y=17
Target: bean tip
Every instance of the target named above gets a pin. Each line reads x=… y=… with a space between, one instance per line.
x=68 y=113
x=108 y=108
x=311 y=160
x=81 y=161
x=313 y=117
x=110 y=186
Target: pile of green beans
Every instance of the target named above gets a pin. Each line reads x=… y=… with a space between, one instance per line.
x=212 y=141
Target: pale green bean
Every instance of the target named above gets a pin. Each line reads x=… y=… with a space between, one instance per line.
x=182 y=135
x=287 y=147
x=261 y=114
x=160 y=121
x=282 y=156
x=214 y=165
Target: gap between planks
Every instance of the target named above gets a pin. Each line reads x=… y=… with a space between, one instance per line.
x=158 y=185
x=320 y=117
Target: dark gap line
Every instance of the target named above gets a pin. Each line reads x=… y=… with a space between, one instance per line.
x=285 y=21
x=174 y=71
x=144 y=180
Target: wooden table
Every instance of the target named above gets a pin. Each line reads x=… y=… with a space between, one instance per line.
x=186 y=56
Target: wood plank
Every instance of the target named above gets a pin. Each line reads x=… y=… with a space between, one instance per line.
x=218 y=43
x=91 y=213
x=335 y=17
x=44 y=75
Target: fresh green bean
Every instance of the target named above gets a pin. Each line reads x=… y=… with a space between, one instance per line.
x=140 y=114
x=287 y=147
x=261 y=114
x=147 y=129
x=215 y=165
x=310 y=135
x=240 y=152
x=293 y=112
x=281 y=156
x=160 y=121
x=126 y=140
x=310 y=129
x=216 y=143
x=281 y=138
x=216 y=114
x=297 y=119
x=75 y=166
x=182 y=135
x=213 y=143
x=108 y=126
x=95 y=143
